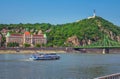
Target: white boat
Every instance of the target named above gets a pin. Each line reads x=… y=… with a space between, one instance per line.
x=51 y=56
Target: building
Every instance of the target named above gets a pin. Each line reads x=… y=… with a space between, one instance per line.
x=26 y=38
x=0 y=40
x=4 y=31
x=94 y=15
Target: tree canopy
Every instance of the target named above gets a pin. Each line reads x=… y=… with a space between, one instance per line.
x=93 y=29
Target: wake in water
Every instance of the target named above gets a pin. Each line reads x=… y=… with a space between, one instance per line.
x=15 y=60
x=25 y=59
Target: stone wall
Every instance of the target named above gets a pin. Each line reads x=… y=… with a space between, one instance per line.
x=99 y=51
x=66 y=50
x=30 y=51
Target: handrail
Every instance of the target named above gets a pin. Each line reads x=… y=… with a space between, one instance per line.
x=112 y=76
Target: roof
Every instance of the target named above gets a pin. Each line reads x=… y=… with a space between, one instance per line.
x=41 y=36
x=27 y=33
x=16 y=34
x=4 y=30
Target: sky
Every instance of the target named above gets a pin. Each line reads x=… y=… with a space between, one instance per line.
x=57 y=11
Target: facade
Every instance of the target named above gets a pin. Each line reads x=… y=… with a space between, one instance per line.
x=0 y=40
x=4 y=31
x=26 y=38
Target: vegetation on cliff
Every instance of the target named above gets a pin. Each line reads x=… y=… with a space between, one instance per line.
x=87 y=32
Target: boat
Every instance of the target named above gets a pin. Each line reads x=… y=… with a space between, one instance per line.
x=43 y=56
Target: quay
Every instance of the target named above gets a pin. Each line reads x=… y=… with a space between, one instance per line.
x=31 y=50
x=61 y=50
x=112 y=76
x=98 y=50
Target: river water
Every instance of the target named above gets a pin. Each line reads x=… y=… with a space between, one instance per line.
x=69 y=66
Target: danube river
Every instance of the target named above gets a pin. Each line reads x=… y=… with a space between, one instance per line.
x=69 y=66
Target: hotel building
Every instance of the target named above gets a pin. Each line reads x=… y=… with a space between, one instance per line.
x=26 y=38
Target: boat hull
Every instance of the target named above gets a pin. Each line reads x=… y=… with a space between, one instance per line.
x=45 y=57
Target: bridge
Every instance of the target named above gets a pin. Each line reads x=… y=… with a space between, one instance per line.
x=104 y=44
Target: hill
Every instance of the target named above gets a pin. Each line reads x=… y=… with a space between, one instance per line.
x=87 y=32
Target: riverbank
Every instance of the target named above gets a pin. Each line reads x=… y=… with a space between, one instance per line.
x=99 y=50
x=30 y=51
x=57 y=50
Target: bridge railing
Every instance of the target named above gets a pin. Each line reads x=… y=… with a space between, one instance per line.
x=112 y=76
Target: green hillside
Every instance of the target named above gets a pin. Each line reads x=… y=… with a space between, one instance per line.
x=87 y=32
x=94 y=30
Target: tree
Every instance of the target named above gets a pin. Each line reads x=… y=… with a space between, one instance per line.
x=37 y=45
x=13 y=44
x=26 y=45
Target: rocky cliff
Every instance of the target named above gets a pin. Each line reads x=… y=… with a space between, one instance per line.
x=94 y=30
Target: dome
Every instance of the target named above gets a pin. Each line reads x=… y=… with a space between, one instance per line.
x=27 y=33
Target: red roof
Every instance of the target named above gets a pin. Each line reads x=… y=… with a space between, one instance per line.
x=4 y=30
x=41 y=35
x=27 y=33
x=16 y=34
